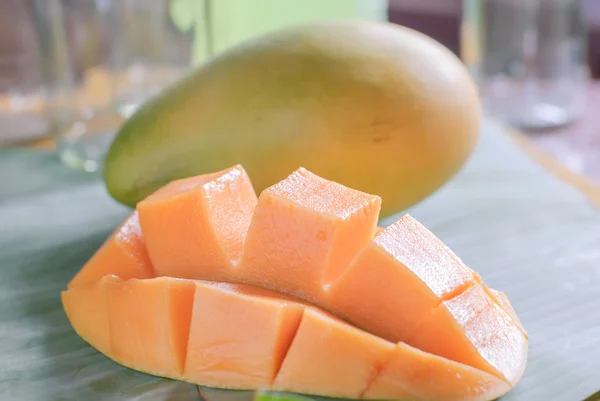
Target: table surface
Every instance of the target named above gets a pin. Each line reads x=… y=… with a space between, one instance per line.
x=576 y=145
x=525 y=232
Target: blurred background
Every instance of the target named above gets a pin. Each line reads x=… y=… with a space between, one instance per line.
x=72 y=70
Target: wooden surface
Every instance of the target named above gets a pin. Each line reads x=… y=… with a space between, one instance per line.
x=571 y=152
x=588 y=187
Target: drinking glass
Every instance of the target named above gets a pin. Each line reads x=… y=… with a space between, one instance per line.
x=104 y=58
x=156 y=41
x=149 y=51
x=74 y=37
x=22 y=97
x=528 y=57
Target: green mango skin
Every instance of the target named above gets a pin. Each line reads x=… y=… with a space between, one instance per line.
x=374 y=106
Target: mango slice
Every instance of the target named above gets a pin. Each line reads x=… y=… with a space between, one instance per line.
x=397 y=280
x=477 y=332
x=239 y=335
x=195 y=227
x=304 y=233
x=502 y=301
x=87 y=310
x=122 y=254
x=246 y=337
x=149 y=323
x=280 y=272
x=331 y=357
x=412 y=374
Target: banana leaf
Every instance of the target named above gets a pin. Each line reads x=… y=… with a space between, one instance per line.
x=526 y=232
x=215 y=394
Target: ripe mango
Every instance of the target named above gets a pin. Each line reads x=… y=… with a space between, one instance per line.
x=375 y=106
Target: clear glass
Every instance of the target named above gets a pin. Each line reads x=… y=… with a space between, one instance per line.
x=104 y=58
x=149 y=51
x=22 y=97
x=528 y=57
x=155 y=42
x=74 y=39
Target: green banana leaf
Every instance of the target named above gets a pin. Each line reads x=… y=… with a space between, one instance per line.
x=215 y=394
x=527 y=233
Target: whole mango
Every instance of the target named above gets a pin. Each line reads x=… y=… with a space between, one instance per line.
x=374 y=106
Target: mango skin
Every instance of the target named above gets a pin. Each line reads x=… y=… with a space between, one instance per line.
x=374 y=106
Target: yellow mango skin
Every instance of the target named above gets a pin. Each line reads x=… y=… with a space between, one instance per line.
x=374 y=106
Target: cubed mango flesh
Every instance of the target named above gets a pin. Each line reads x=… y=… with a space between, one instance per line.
x=149 y=323
x=304 y=233
x=196 y=227
x=316 y=241
x=412 y=374
x=122 y=254
x=239 y=335
x=502 y=301
x=476 y=332
x=247 y=337
x=87 y=310
x=397 y=280
x=329 y=356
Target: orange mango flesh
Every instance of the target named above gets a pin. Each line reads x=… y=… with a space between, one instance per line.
x=315 y=240
x=239 y=335
x=195 y=227
x=416 y=375
x=502 y=301
x=149 y=323
x=331 y=357
x=123 y=254
x=477 y=332
x=87 y=310
x=397 y=280
x=304 y=232
x=246 y=337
